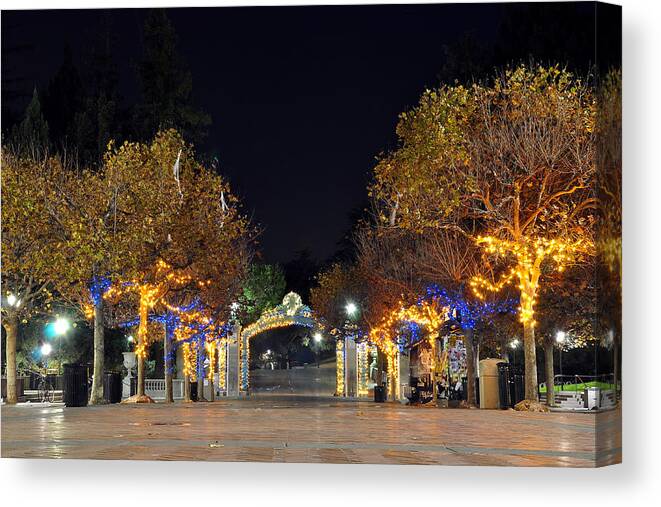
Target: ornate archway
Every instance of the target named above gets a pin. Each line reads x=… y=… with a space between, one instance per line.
x=292 y=312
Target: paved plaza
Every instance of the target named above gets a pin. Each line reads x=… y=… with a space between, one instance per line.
x=314 y=430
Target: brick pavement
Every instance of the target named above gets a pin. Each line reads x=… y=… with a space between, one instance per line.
x=318 y=430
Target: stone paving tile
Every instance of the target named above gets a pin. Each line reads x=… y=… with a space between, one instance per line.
x=311 y=430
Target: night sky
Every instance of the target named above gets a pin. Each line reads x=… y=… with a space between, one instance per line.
x=302 y=99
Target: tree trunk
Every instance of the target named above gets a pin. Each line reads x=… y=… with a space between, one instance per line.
x=96 y=396
x=470 y=367
x=187 y=388
x=141 y=349
x=616 y=364
x=200 y=389
x=10 y=324
x=167 y=352
x=140 y=388
x=530 y=355
x=548 y=364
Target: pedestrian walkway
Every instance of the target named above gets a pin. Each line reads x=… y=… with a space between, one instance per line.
x=293 y=429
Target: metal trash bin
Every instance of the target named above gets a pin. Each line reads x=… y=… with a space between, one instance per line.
x=489 y=395
x=504 y=384
x=592 y=398
x=379 y=394
x=193 y=391
x=112 y=387
x=75 y=385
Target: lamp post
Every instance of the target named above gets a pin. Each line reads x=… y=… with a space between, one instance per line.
x=514 y=344
x=560 y=337
x=57 y=329
x=349 y=358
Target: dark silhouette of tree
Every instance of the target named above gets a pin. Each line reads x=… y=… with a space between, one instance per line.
x=98 y=120
x=30 y=136
x=467 y=59
x=300 y=273
x=166 y=84
x=63 y=100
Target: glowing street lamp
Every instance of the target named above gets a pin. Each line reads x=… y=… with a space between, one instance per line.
x=351 y=308
x=11 y=300
x=46 y=349
x=514 y=344
x=61 y=326
x=318 y=337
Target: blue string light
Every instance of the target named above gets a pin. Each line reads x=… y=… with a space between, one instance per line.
x=468 y=313
x=98 y=287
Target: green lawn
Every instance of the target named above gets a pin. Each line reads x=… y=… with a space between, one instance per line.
x=579 y=387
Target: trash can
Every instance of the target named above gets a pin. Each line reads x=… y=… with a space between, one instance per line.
x=379 y=394
x=75 y=385
x=112 y=387
x=591 y=398
x=489 y=397
x=193 y=391
x=504 y=385
x=133 y=388
x=517 y=384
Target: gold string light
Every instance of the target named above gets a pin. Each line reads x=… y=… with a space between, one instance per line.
x=363 y=368
x=339 y=370
x=529 y=254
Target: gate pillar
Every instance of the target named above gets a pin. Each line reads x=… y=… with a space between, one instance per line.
x=233 y=362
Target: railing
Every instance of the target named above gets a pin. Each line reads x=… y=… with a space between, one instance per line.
x=577 y=383
x=155 y=388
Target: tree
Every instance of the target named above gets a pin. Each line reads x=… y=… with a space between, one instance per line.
x=448 y=259
x=191 y=240
x=336 y=286
x=28 y=249
x=569 y=301
x=98 y=226
x=300 y=273
x=516 y=157
x=263 y=289
x=165 y=83
x=97 y=119
x=30 y=136
x=63 y=100
x=532 y=164
x=609 y=227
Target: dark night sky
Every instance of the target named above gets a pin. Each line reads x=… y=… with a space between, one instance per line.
x=302 y=99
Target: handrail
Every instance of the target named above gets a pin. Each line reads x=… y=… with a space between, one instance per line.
x=582 y=380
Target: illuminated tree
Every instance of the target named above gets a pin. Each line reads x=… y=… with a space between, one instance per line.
x=517 y=158
x=191 y=240
x=449 y=258
x=98 y=219
x=532 y=172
